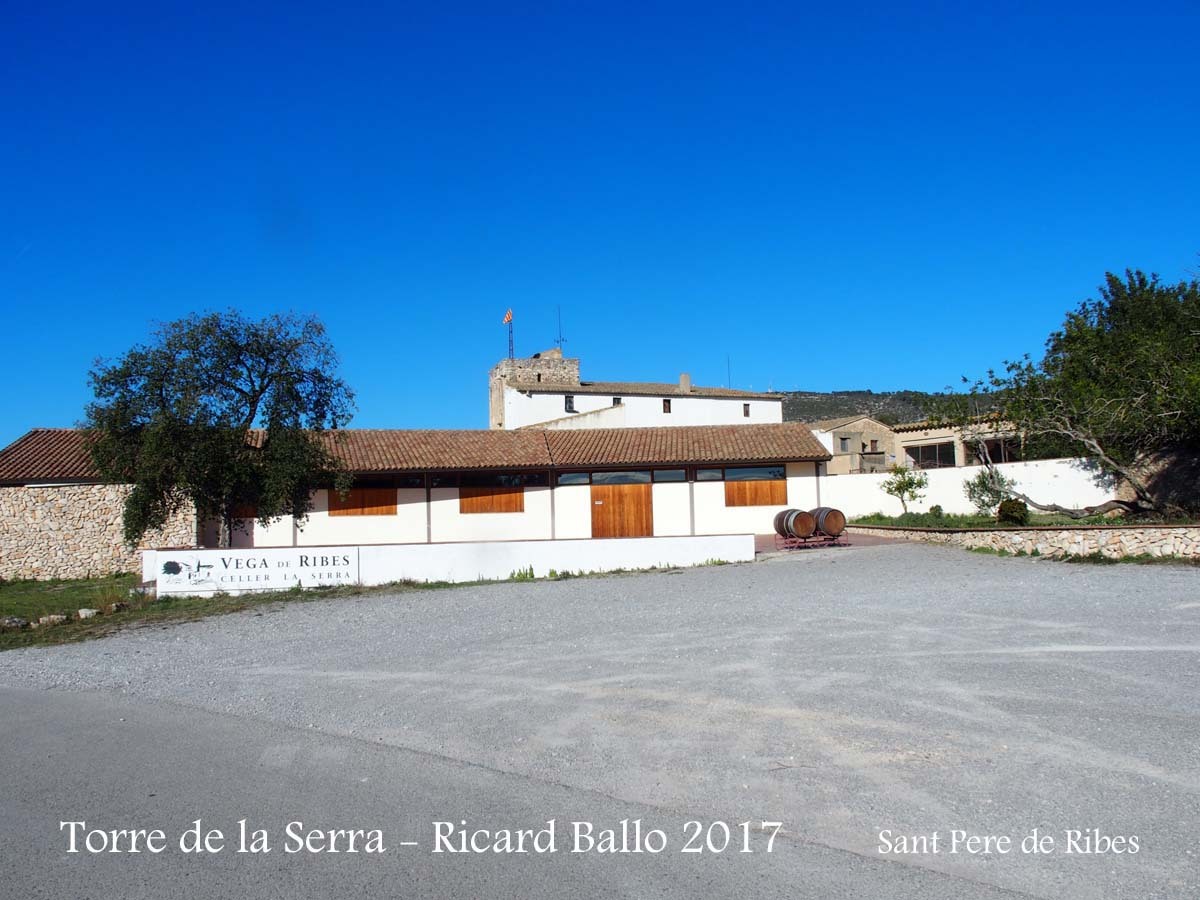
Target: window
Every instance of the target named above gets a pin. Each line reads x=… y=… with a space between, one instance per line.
x=1000 y=450
x=489 y=479
x=569 y=403
x=574 y=478
x=710 y=475
x=931 y=456
x=666 y=405
x=844 y=444
x=670 y=474
x=746 y=410
x=874 y=446
x=631 y=477
x=373 y=501
x=616 y=401
x=755 y=473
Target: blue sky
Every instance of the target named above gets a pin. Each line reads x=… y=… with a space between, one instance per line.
x=879 y=198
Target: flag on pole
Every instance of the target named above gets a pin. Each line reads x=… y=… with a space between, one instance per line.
x=507 y=318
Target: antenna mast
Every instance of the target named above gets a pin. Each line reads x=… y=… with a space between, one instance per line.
x=560 y=340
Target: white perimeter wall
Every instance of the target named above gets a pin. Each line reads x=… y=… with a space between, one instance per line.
x=500 y=559
x=521 y=409
x=1063 y=481
x=240 y=571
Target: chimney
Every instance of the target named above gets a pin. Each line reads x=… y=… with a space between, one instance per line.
x=685 y=383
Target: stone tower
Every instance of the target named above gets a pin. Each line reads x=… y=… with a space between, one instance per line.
x=545 y=368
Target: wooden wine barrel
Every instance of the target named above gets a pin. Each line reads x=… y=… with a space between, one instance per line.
x=830 y=521
x=801 y=524
x=781 y=522
x=795 y=523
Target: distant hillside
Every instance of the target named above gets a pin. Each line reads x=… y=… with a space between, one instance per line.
x=889 y=407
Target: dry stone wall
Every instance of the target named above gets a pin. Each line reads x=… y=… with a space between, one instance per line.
x=74 y=531
x=1146 y=540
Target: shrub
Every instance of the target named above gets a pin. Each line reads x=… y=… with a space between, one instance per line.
x=1013 y=512
x=937 y=512
x=987 y=489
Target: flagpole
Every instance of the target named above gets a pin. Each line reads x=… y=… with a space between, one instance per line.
x=508 y=320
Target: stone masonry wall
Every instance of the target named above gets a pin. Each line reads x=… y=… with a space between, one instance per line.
x=74 y=531
x=1114 y=542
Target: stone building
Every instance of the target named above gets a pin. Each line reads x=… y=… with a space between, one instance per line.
x=857 y=444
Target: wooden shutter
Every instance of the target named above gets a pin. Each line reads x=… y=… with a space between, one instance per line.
x=363 y=502
x=491 y=499
x=772 y=492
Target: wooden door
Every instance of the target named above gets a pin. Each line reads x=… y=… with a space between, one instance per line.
x=622 y=510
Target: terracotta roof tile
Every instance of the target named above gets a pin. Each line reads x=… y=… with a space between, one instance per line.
x=47 y=454
x=683 y=444
x=60 y=454
x=396 y=450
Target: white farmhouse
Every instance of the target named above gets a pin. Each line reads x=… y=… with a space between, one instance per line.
x=545 y=390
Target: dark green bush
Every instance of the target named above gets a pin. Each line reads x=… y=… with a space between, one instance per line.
x=1013 y=512
x=936 y=511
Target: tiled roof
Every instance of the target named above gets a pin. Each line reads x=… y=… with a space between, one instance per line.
x=683 y=444
x=638 y=388
x=397 y=450
x=60 y=454
x=47 y=454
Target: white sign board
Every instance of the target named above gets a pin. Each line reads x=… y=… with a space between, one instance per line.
x=267 y=569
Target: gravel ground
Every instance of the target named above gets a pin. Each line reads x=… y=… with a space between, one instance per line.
x=843 y=691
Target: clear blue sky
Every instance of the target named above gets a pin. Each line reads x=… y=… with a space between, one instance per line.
x=879 y=198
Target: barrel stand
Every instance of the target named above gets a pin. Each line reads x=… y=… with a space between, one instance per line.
x=816 y=540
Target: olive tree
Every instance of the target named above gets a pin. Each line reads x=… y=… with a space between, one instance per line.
x=906 y=485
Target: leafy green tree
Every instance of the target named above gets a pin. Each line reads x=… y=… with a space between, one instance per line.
x=1119 y=385
x=906 y=485
x=222 y=411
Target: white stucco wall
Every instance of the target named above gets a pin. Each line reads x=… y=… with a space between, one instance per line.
x=451 y=525
x=714 y=517
x=672 y=508
x=407 y=525
x=521 y=409
x=573 y=511
x=1062 y=481
x=572 y=516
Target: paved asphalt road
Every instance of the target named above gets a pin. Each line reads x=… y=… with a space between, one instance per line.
x=841 y=692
